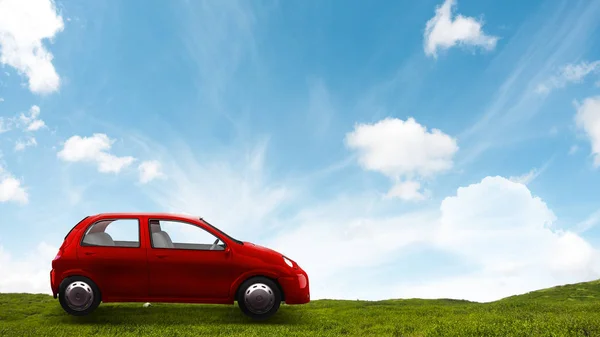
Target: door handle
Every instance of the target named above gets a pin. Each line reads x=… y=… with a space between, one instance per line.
x=161 y=256
x=89 y=253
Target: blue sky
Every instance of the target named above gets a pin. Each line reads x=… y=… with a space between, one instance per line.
x=393 y=149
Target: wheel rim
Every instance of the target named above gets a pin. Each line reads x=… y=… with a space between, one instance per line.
x=259 y=298
x=79 y=295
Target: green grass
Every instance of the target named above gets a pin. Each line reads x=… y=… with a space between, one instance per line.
x=571 y=310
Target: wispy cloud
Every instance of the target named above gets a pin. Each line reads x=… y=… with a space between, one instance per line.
x=20 y=145
x=4 y=125
x=28 y=121
x=32 y=122
x=531 y=175
x=525 y=178
x=590 y=222
x=220 y=37
x=232 y=180
x=573 y=149
x=587 y=119
x=320 y=106
x=559 y=36
x=570 y=73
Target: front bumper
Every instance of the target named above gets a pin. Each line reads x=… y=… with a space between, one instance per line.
x=295 y=288
x=53 y=284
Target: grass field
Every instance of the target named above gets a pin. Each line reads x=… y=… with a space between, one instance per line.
x=571 y=310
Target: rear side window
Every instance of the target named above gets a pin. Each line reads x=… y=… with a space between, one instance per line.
x=113 y=233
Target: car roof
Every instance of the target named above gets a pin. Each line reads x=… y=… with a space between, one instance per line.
x=159 y=215
x=148 y=214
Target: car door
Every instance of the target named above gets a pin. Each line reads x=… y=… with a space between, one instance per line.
x=185 y=263
x=112 y=252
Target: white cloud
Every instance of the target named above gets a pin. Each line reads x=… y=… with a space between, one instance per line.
x=495 y=226
x=397 y=148
x=21 y=145
x=570 y=73
x=402 y=150
x=487 y=208
x=11 y=189
x=499 y=226
x=444 y=31
x=94 y=149
x=1 y=99
x=30 y=274
x=587 y=118
x=24 y=24
x=150 y=170
x=406 y=190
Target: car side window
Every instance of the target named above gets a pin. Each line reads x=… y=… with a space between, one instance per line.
x=113 y=233
x=182 y=235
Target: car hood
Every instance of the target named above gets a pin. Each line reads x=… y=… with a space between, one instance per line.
x=262 y=251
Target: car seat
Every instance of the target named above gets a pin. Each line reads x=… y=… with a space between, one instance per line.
x=98 y=239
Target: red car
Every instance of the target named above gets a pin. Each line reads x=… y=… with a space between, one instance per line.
x=170 y=258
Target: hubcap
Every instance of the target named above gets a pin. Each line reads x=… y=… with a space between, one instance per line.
x=259 y=298
x=79 y=295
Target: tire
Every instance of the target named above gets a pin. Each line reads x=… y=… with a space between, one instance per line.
x=259 y=298
x=79 y=295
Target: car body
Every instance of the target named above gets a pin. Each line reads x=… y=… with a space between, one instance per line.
x=93 y=266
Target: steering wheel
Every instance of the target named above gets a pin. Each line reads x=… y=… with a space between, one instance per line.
x=214 y=245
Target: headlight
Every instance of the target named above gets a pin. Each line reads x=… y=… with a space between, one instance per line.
x=288 y=262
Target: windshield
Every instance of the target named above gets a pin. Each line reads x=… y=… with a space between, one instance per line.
x=221 y=232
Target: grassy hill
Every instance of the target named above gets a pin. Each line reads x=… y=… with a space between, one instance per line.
x=570 y=310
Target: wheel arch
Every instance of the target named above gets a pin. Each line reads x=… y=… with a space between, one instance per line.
x=240 y=280
x=67 y=276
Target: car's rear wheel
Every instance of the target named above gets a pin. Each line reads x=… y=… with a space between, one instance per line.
x=259 y=297
x=78 y=295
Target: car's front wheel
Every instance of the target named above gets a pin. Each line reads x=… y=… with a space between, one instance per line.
x=259 y=298
x=78 y=295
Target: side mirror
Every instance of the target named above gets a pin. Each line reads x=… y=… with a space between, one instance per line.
x=227 y=251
